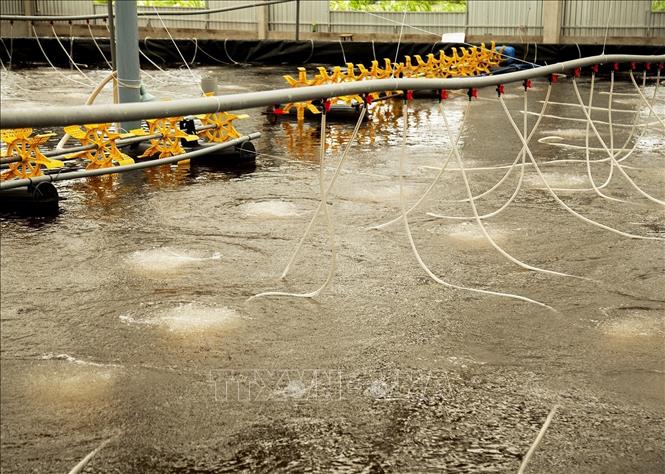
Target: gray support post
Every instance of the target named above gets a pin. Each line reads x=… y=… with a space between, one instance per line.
x=262 y=21
x=127 y=44
x=27 y=11
x=112 y=34
x=552 y=15
x=297 y=20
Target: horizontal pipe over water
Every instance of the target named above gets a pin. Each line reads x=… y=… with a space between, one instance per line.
x=70 y=115
x=17 y=183
x=104 y=16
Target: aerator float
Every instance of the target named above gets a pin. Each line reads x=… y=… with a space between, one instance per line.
x=472 y=62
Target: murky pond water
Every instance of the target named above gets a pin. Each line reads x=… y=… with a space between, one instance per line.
x=126 y=316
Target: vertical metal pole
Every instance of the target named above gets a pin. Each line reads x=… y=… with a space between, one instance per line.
x=27 y=11
x=297 y=20
x=127 y=43
x=262 y=21
x=112 y=34
x=111 y=23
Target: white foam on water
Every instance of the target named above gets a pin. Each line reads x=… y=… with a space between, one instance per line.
x=294 y=389
x=74 y=360
x=131 y=320
x=384 y=194
x=63 y=379
x=164 y=260
x=192 y=317
x=188 y=318
x=270 y=209
x=558 y=180
x=469 y=233
x=634 y=326
x=231 y=87
x=463 y=361
x=628 y=100
x=568 y=133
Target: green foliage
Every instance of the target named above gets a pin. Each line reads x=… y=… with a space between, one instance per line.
x=658 y=6
x=400 y=5
x=166 y=3
x=173 y=3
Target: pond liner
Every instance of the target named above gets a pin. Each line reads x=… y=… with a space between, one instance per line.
x=281 y=52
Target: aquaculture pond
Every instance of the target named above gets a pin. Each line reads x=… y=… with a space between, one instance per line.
x=125 y=317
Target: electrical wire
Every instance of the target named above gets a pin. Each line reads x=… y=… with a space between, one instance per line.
x=399 y=40
x=71 y=60
x=194 y=78
x=439 y=36
x=227 y=53
x=94 y=40
x=41 y=48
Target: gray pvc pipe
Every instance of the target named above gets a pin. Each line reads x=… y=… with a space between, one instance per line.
x=69 y=115
x=128 y=68
x=145 y=13
x=17 y=183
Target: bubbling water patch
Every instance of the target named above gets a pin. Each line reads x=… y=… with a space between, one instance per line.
x=469 y=234
x=378 y=194
x=566 y=133
x=558 y=180
x=270 y=209
x=165 y=260
x=188 y=318
x=69 y=382
x=635 y=326
x=74 y=360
